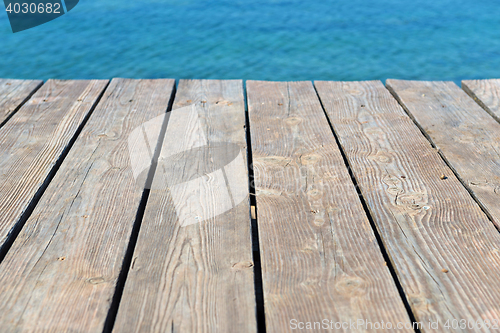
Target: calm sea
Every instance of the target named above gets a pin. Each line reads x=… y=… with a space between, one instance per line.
x=267 y=40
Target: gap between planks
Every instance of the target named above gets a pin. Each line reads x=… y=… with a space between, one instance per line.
x=33 y=144
x=61 y=271
x=195 y=273
x=380 y=242
x=315 y=262
x=435 y=233
x=13 y=94
x=466 y=137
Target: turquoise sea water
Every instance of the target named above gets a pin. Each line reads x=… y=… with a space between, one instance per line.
x=268 y=40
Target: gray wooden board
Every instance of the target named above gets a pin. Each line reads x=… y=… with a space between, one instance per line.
x=486 y=93
x=195 y=273
x=467 y=137
x=60 y=273
x=444 y=249
x=32 y=141
x=320 y=257
x=13 y=93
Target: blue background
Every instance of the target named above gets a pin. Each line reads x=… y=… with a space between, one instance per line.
x=268 y=40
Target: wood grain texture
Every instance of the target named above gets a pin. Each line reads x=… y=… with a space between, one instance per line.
x=32 y=141
x=444 y=249
x=486 y=93
x=61 y=272
x=190 y=276
x=320 y=257
x=13 y=93
x=466 y=136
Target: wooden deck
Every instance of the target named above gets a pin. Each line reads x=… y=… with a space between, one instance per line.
x=231 y=206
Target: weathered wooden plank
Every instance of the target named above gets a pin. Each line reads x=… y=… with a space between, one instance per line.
x=486 y=93
x=443 y=247
x=320 y=257
x=13 y=93
x=192 y=266
x=60 y=273
x=32 y=141
x=466 y=136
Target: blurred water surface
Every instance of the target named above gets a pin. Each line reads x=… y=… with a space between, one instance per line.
x=265 y=40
